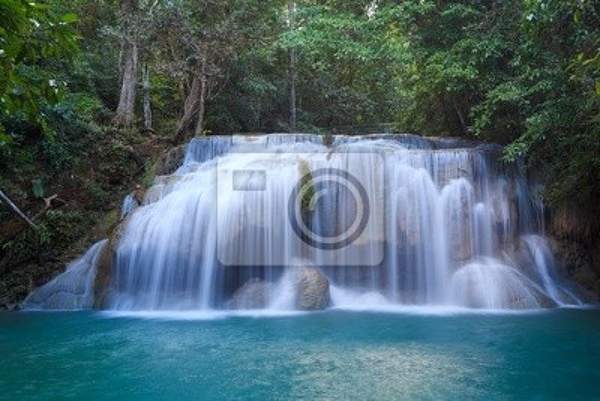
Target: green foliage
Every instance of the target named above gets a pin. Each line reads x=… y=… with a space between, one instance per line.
x=348 y=56
x=37 y=187
x=63 y=227
x=32 y=37
x=520 y=73
x=56 y=232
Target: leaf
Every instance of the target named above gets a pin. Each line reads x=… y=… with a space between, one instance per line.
x=4 y=138
x=37 y=188
x=70 y=18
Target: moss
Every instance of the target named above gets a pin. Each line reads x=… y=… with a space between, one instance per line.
x=96 y=194
x=307 y=190
x=149 y=175
x=64 y=227
x=108 y=222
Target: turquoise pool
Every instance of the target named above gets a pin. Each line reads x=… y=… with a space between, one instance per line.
x=333 y=355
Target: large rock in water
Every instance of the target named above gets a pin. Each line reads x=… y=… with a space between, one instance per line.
x=254 y=294
x=105 y=266
x=311 y=288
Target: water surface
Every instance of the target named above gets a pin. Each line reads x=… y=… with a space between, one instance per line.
x=334 y=355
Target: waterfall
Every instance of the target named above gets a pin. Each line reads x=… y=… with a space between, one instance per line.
x=391 y=219
x=73 y=289
x=543 y=261
x=128 y=206
x=491 y=285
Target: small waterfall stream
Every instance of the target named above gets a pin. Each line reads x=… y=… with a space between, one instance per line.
x=74 y=289
x=444 y=220
x=544 y=269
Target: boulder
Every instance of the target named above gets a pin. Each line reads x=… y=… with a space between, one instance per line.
x=311 y=288
x=460 y=233
x=577 y=247
x=576 y=263
x=105 y=265
x=254 y=294
x=171 y=160
x=517 y=302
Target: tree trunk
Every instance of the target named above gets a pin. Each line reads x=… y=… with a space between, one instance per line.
x=292 y=72
x=147 y=104
x=201 y=105
x=125 y=114
x=461 y=119
x=195 y=102
x=190 y=106
x=16 y=210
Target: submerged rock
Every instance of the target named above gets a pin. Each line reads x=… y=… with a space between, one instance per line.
x=311 y=288
x=254 y=294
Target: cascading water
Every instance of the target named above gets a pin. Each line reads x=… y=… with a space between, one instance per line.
x=543 y=261
x=445 y=220
x=74 y=289
x=128 y=206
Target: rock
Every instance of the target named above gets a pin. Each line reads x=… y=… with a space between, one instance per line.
x=254 y=294
x=72 y=289
x=522 y=259
x=311 y=288
x=576 y=263
x=105 y=266
x=577 y=247
x=459 y=226
x=523 y=303
x=170 y=160
x=460 y=244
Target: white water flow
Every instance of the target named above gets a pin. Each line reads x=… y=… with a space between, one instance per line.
x=74 y=289
x=445 y=219
x=128 y=206
x=544 y=269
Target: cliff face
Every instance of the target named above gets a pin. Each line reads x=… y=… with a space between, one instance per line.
x=576 y=236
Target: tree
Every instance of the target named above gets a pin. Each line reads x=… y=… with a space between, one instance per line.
x=292 y=69
x=347 y=55
x=209 y=35
x=33 y=36
x=519 y=73
x=147 y=104
x=125 y=114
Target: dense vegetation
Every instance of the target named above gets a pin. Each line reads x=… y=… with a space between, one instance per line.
x=87 y=84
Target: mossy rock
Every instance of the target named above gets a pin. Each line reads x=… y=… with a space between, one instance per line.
x=105 y=267
x=170 y=161
x=307 y=188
